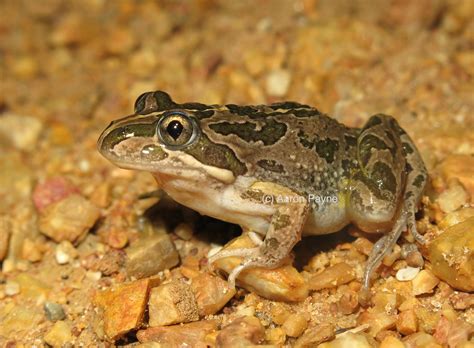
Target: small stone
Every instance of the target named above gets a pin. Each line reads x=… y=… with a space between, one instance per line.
x=279 y=313
x=349 y=339
x=316 y=335
x=421 y=339
x=424 y=283
x=32 y=288
x=451 y=255
x=391 y=342
x=65 y=252
x=275 y=336
x=150 y=255
x=415 y=259
x=54 y=311
x=407 y=322
x=12 y=288
x=407 y=273
x=123 y=307
x=18 y=320
x=278 y=82
x=456 y=217
x=242 y=332
x=377 y=321
x=69 y=219
x=12 y=127
x=188 y=335
x=59 y=335
x=94 y=276
x=459 y=167
x=211 y=293
x=184 y=231
x=172 y=303
x=51 y=191
x=453 y=198
x=332 y=277
x=294 y=325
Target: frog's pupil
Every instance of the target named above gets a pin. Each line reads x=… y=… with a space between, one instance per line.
x=174 y=129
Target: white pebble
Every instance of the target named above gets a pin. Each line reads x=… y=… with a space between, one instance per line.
x=93 y=275
x=62 y=257
x=12 y=288
x=406 y=274
x=277 y=83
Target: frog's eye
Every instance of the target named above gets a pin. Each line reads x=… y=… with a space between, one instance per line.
x=177 y=130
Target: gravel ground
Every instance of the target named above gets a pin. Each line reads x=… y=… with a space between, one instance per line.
x=75 y=239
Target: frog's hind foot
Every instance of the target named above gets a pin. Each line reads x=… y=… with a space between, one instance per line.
x=383 y=246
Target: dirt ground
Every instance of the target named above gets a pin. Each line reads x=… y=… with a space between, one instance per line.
x=73 y=269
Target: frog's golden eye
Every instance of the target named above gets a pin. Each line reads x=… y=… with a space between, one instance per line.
x=177 y=130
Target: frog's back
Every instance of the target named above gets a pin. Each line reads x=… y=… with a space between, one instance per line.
x=288 y=143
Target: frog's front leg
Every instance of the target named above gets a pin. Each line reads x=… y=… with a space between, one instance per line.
x=386 y=188
x=283 y=233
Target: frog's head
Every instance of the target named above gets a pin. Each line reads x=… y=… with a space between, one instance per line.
x=167 y=138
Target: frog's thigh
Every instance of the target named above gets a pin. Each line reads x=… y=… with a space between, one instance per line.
x=376 y=185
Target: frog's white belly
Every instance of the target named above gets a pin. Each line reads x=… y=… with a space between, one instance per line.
x=221 y=201
x=225 y=202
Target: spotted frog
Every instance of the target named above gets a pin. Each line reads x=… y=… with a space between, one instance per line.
x=280 y=171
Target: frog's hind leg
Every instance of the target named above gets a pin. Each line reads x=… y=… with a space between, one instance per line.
x=383 y=246
x=284 y=232
x=386 y=188
x=415 y=182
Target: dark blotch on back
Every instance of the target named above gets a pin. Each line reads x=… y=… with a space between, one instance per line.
x=216 y=155
x=288 y=105
x=327 y=148
x=269 y=134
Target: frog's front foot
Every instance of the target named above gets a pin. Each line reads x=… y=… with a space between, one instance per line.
x=246 y=253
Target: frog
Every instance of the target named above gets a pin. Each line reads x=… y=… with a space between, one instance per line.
x=264 y=167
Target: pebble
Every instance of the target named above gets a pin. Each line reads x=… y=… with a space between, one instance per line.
x=51 y=191
x=61 y=257
x=59 y=335
x=65 y=252
x=406 y=274
x=150 y=255
x=452 y=255
x=316 y=335
x=12 y=288
x=123 y=306
x=242 y=332
x=69 y=219
x=182 y=335
x=453 y=198
x=172 y=303
x=54 y=311
x=211 y=293
x=278 y=82
x=12 y=127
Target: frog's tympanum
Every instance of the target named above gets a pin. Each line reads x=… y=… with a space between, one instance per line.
x=280 y=171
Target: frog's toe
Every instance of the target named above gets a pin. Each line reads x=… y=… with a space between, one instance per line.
x=411 y=224
x=239 y=252
x=255 y=237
